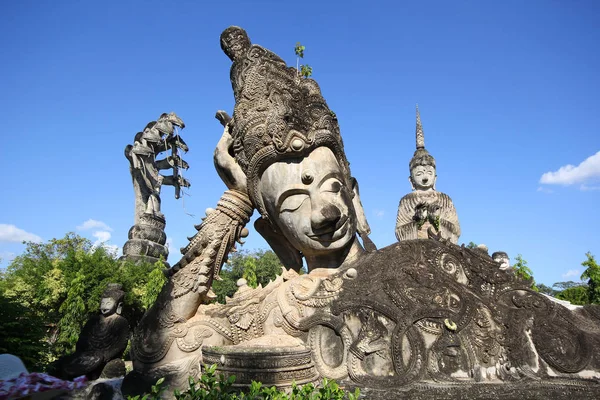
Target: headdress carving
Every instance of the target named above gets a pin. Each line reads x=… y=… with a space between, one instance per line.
x=277 y=114
x=421 y=156
x=115 y=292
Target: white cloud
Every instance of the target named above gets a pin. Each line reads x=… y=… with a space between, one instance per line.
x=102 y=236
x=173 y=251
x=112 y=248
x=10 y=233
x=570 y=174
x=93 y=224
x=587 y=188
x=379 y=213
x=571 y=272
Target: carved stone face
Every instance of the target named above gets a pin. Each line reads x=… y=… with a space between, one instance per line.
x=108 y=306
x=423 y=177
x=310 y=205
x=503 y=260
x=235 y=43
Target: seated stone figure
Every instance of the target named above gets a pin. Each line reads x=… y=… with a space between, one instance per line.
x=425 y=211
x=102 y=341
x=419 y=312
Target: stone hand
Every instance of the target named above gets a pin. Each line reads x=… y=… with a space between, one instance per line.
x=227 y=168
x=420 y=213
x=434 y=212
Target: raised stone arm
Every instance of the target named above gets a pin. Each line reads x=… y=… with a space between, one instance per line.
x=191 y=278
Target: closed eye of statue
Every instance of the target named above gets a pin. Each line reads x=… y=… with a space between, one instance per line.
x=293 y=202
x=331 y=185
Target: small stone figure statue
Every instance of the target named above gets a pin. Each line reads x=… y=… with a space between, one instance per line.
x=102 y=341
x=425 y=211
x=501 y=258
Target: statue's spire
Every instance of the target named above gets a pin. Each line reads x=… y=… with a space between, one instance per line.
x=419 y=132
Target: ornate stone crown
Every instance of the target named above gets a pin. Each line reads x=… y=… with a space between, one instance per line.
x=421 y=156
x=278 y=115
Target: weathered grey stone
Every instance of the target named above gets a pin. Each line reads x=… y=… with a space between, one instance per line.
x=420 y=316
x=147 y=237
x=102 y=340
x=501 y=258
x=425 y=212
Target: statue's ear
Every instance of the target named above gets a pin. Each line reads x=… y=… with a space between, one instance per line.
x=289 y=256
x=412 y=183
x=120 y=308
x=362 y=225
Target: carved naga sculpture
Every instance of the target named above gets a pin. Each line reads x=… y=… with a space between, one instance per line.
x=147 y=237
x=416 y=312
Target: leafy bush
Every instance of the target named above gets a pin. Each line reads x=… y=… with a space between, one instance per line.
x=213 y=387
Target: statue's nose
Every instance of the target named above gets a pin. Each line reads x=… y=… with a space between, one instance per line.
x=323 y=217
x=425 y=180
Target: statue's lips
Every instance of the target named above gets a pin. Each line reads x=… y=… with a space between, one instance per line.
x=334 y=234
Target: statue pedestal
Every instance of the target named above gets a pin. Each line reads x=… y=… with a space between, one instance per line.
x=277 y=365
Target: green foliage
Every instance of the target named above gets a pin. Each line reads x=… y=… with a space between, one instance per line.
x=74 y=315
x=304 y=70
x=472 y=245
x=258 y=267
x=592 y=274
x=299 y=50
x=211 y=386
x=156 y=280
x=576 y=295
x=22 y=332
x=547 y=289
x=521 y=270
x=155 y=392
x=60 y=283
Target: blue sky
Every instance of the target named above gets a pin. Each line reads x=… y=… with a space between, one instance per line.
x=508 y=93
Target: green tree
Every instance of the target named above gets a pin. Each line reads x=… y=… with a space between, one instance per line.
x=547 y=289
x=592 y=274
x=521 y=270
x=74 y=315
x=576 y=295
x=156 y=280
x=257 y=267
x=22 y=332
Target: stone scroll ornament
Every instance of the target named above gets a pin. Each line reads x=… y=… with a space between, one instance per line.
x=419 y=315
x=147 y=237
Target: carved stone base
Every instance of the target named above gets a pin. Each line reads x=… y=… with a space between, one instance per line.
x=146 y=259
x=558 y=390
x=279 y=366
x=143 y=247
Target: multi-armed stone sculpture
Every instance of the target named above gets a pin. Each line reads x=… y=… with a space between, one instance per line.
x=425 y=212
x=102 y=341
x=409 y=315
x=147 y=237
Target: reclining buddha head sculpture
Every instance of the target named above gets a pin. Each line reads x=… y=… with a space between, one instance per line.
x=287 y=146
